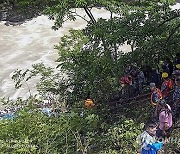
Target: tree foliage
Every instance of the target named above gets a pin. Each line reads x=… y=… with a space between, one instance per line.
x=90 y=60
x=33 y=132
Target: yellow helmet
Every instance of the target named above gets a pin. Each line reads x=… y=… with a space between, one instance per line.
x=178 y=66
x=164 y=75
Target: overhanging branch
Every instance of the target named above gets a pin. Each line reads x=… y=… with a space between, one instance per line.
x=172 y=33
x=76 y=14
x=176 y=16
x=88 y=12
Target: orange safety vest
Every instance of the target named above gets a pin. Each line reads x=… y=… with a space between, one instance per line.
x=158 y=91
x=89 y=103
x=169 y=86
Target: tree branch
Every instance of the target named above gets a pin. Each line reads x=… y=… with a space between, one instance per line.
x=177 y=15
x=88 y=12
x=76 y=14
x=172 y=33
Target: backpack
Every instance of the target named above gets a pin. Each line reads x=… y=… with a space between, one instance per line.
x=158 y=91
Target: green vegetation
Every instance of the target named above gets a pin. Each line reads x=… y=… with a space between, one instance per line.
x=90 y=61
x=78 y=130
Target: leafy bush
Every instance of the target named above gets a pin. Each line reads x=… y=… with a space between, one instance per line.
x=122 y=136
x=33 y=132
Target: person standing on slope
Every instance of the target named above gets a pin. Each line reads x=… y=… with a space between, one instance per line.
x=166 y=86
x=156 y=96
x=165 y=120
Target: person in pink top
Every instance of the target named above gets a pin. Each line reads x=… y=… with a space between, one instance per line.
x=165 y=120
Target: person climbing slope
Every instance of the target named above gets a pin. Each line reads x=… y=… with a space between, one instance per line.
x=177 y=59
x=176 y=72
x=170 y=66
x=176 y=99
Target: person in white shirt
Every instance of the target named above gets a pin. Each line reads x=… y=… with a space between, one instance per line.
x=149 y=145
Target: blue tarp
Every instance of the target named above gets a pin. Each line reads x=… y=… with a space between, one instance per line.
x=47 y=111
x=7 y=116
x=153 y=149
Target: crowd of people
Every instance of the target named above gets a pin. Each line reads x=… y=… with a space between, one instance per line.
x=165 y=104
x=137 y=77
x=164 y=84
x=133 y=76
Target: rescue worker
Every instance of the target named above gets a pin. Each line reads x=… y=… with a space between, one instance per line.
x=141 y=80
x=170 y=66
x=177 y=59
x=165 y=68
x=166 y=86
x=89 y=103
x=156 y=96
x=154 y=77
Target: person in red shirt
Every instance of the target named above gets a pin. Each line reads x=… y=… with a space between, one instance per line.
x=125 y=80
x=166 y=86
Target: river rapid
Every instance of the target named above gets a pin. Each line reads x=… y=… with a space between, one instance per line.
x=31 y=43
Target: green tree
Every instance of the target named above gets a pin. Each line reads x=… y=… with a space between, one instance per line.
x=92 y=60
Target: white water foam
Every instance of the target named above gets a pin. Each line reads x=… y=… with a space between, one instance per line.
x=30 y=43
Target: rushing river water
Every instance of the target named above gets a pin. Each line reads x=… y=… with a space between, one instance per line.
x=33 y=42
x=30 y=43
